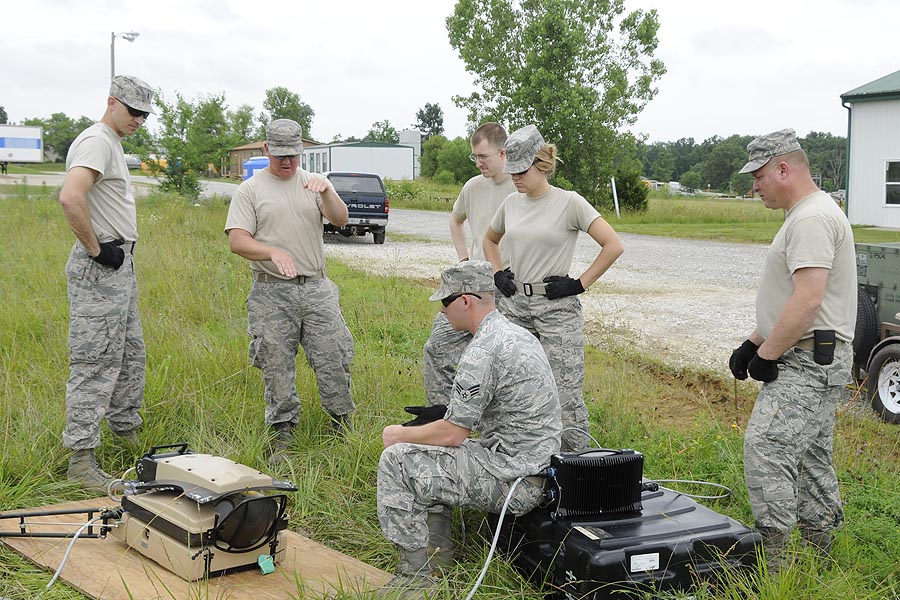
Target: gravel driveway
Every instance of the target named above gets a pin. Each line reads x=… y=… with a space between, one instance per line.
x=688 y=302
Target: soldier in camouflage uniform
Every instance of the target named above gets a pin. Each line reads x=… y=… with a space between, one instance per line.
x=540 y=226
x=476 y=204
x=801 y=350
x=505 y=388
x=275 y=221
x=107 y=359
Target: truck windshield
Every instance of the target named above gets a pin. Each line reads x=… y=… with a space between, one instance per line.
x=356 y=184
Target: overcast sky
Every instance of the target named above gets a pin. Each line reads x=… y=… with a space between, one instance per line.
x=747 y=67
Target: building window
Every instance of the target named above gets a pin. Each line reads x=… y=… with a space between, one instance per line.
x=892 y=182
x=324 y=163
x=303 y=162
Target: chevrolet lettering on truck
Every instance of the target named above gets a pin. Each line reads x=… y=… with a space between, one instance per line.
x=367 y=203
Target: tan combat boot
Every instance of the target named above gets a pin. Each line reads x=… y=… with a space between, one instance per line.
x=412 y=581
x=284 y=438
x=84 y=470
x=440 y=542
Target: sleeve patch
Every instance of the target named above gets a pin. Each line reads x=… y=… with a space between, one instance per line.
x=466 y=394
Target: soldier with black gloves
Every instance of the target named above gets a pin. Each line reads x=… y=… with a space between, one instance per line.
x=801 y=350
x=106 y=343
x=540 y=224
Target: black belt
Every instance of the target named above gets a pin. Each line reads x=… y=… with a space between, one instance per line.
x=299 y=280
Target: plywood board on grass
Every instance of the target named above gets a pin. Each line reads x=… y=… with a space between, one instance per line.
x=106 y=569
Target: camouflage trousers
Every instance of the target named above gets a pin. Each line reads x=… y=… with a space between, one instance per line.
x=559 y=325
x=415 y=479
x=788 y=446
x=442 y=351
x=285 y=316
x=107 y=358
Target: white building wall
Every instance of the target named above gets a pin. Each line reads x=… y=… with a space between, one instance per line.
x=390 y=163
x=874 y=140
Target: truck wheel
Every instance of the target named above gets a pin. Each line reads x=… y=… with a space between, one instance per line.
x=378 y=236
x=884 y=383
x=866 y=334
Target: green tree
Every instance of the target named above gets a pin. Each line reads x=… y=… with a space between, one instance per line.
x=725 y=159
x=453 y=157
x=382 y=131
x=663 y=166
x=209 y=135
x=827 y=155
x=578 y=69
x=179 y=174
x=428 y=162
x=430 y=120
x=241 y=126
x=692 y=180
x=60 y=131
x=4 y=118
x=281 y=103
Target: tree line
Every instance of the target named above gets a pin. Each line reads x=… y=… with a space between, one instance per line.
x=713 y=164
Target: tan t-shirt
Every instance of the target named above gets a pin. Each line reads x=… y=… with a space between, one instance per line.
x=110 y=201
x=477 y=202
x=541 y=232
x=815 y=233
x=281 y=213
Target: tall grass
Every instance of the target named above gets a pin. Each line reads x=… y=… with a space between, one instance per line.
x=200 y=390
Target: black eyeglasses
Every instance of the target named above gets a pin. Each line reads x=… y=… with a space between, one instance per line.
x=133 y=111
x=454 y=297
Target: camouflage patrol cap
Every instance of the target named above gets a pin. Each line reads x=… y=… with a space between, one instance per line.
x=766 y=147
x=468 y=277
x=521 y=146
x=284 y=137
x=132 y=92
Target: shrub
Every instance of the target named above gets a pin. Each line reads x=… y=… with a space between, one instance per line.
x=445 y=176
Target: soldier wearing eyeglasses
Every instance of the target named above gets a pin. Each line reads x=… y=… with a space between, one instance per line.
x=505 y=389
x=475 y=205
x=107 y=358
x=275 y=222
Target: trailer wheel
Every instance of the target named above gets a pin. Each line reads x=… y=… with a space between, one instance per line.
x=866 y=334
x=378 y=236
x=884 y=383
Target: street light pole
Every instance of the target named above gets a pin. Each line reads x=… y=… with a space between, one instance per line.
x=128 y=35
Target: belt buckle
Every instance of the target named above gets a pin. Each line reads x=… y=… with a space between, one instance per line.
x=527 y=289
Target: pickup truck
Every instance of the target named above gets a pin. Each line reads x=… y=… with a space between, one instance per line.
x=367 y=202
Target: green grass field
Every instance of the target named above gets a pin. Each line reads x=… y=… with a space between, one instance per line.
x=200 y=390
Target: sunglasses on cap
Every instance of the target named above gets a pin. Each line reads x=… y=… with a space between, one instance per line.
x=454 y=297
x=133 y=111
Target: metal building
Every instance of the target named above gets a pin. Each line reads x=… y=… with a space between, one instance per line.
x=873 y=164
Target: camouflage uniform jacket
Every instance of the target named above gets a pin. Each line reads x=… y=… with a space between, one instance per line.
x=505 y=389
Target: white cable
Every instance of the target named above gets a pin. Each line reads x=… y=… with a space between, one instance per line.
x=727 y=493
x=496 y=538
x=66 y=555
x=587 y=433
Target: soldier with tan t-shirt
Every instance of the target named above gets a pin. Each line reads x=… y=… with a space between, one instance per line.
x=107 y=357
x=477 y=202
x=801 y=350
x=275 y=222
x=540 y=224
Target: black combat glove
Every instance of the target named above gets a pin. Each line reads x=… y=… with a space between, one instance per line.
x=110 y=255
x=560 y=287
x=425 y=414
x=763 y=369
x=740 y=358
x=505 y=282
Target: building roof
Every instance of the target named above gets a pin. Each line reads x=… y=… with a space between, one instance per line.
x=884 y=88
x=364 y=145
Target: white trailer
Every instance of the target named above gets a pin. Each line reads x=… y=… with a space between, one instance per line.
x=21 y=144
x=391 y=161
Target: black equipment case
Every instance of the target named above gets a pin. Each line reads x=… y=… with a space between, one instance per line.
x=669 y=544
